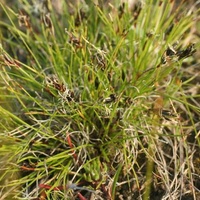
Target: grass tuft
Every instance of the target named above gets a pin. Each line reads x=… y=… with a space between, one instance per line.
x=99 y=102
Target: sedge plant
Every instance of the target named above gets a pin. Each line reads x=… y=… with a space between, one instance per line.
x=95 y=104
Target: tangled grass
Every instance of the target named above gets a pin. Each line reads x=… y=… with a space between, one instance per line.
x=101 y=104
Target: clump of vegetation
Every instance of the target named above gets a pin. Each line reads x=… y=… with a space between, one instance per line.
x=99 y=104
